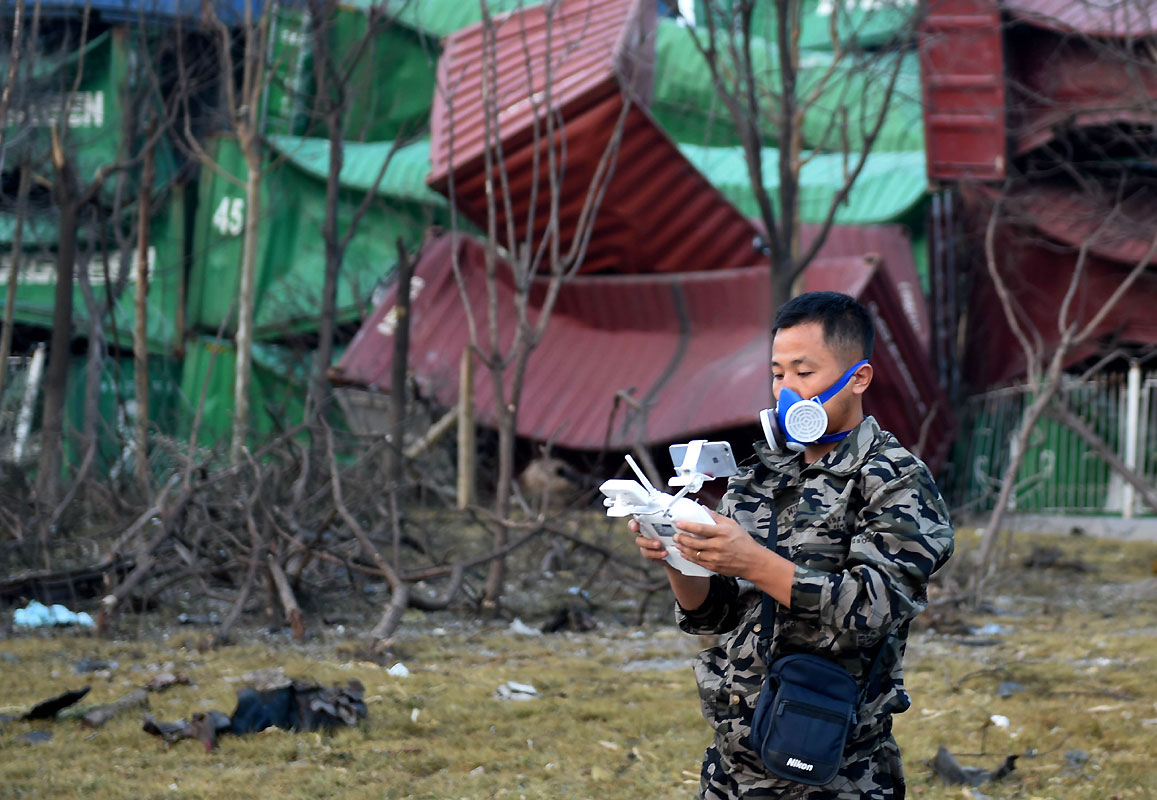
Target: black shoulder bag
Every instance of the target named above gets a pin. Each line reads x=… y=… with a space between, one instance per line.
x=806 y=710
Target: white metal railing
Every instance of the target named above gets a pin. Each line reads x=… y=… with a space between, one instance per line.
x=1061 y=473
x=22 y=376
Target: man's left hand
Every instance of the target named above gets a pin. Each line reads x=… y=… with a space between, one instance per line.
x=725 y=547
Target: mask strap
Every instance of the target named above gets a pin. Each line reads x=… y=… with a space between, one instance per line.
x=834 y=389
x=830 y=393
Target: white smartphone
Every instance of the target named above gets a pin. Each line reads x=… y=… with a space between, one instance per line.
x=715 y=459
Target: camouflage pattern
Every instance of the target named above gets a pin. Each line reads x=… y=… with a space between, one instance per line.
x=866 y=527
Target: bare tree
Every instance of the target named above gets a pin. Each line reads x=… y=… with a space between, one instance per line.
x=242 y=87
x=332 y=75
x=541 y=258
x=754 y=57
x=1078 y=321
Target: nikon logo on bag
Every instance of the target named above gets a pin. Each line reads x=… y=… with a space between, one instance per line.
x=796 y=763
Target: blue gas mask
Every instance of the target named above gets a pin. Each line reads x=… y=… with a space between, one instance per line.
x=795 y=423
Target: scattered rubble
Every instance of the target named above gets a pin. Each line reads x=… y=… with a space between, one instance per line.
x=512 y=690
x=952 y=772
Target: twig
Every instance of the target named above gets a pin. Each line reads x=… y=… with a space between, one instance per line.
x=288 y=601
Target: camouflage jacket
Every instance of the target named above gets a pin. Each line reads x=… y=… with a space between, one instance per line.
x=866 y=528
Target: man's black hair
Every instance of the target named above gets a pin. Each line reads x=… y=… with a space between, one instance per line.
x=847 y=324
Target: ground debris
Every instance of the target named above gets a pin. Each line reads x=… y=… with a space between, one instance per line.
x=205 y=728
x=512 y=690
x=49 y=708
x=301 y=705
x=102 y=714
x=570 y=618
x=38 y=615
x=1052 y=557
x=951 y=772
x=165 y=680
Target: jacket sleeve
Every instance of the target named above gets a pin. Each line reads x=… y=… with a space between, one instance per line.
x=902 y=536
x=719 y=613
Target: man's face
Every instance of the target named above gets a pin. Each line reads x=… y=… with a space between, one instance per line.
x=802 y=361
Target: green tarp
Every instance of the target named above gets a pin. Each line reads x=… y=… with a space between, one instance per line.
x=688 y=107
x=890 y=186
x=36 y=286
x=290 y=249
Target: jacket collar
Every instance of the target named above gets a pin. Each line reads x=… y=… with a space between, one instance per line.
x=848 y=457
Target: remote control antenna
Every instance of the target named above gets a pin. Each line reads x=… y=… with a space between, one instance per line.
x=639 y=473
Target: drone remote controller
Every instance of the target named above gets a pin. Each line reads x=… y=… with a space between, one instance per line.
x=658 y=512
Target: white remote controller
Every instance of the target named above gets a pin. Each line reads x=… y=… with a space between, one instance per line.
x=657 y=513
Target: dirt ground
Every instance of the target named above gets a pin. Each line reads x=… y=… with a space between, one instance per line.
x=1058 y=671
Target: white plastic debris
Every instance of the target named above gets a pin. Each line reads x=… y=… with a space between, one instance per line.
x=399 y=670
x=38 y=615
x=414 y=715
x=511 y=690
x=522 y=629
x=999 y=720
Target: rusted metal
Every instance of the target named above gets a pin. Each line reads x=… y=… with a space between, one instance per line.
x=962 y=72
x=1037 y=243
x=646 y=359
x=1050 y=68
x=1059 y=82
x=1108 y=19
x=657 y=213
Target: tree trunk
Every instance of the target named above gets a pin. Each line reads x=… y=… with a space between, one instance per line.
x=1032 y=415
x=56 y=381
x=496 y=575
x=140 y=331
x=14 y=273
x=398 y=370
x=244 y=376
x=322 y=16
x=92 y=380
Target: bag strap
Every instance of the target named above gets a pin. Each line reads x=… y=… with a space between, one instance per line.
x=768 y=620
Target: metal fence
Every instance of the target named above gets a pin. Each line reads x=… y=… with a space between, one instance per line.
x=1061 y=473
x=22 y=376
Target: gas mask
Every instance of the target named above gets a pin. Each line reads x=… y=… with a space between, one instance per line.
x=795 y=423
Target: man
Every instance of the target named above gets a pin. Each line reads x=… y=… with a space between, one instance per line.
x=861 y=526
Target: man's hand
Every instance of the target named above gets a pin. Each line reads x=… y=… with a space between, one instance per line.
x=690 y=590
x=650 y=548
x=724 y=547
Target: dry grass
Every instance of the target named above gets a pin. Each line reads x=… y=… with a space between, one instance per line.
x=1082 y=645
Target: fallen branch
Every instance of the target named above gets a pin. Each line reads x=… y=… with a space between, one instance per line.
x=288 y=601
x=433 y=434
x=156 y=508
x=399 y=591
x=1059 y=411
x=144 y=561
x=102 y=714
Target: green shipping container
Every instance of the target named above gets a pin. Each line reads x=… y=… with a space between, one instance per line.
x=388 y=69
x=276 y=395
x=36 y=283
x=117 y=409
x=689 y=108
x=290 y=248
x=106 y=65
x=862 y=23
x=890 y=187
